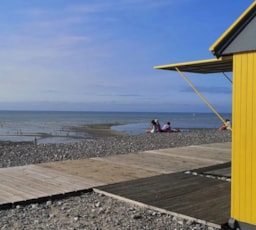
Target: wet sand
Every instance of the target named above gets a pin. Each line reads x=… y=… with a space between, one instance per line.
x=97 y=130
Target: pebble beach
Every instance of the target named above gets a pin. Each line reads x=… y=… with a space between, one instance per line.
x=91 y=210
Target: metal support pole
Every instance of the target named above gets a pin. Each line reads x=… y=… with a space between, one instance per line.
x=226 y=76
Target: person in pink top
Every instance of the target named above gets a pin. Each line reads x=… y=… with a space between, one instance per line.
x=166 y=127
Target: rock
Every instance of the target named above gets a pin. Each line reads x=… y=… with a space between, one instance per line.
x=34 y=206
x=49 y=203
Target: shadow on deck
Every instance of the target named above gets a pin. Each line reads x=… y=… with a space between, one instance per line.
x=197 y=197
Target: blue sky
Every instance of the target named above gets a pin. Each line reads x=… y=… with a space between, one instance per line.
x=98 y=55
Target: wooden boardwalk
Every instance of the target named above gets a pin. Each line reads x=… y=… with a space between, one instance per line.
x=44 y=181
x=199 y=198
x=18 y=184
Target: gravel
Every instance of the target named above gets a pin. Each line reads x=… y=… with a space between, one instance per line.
x=17 y=154
x=91 y=210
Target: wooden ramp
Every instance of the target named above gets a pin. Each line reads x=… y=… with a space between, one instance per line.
x=203 y=199
x=152 y=174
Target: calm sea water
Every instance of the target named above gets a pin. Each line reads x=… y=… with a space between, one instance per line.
x=26 y=125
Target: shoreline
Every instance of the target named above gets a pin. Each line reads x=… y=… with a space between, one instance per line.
x=78 y=133
x=23 y=153
x=84 y=132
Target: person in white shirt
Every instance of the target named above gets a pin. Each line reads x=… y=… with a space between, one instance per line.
x=153 y=128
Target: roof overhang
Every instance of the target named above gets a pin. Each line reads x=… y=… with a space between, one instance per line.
x=231 y=33
x=202 y=66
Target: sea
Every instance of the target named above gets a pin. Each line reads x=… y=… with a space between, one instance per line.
x=50 y=126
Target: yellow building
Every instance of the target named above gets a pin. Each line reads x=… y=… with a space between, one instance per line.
x=236 y=51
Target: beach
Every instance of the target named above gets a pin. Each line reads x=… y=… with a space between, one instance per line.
x=91 y=210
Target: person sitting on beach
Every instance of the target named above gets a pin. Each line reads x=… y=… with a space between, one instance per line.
x=166 y=127
x=153 y=128
x=226 y=125
x=158 y=126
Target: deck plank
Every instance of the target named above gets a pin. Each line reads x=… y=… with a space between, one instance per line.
x=217 y=152
x=101 y=171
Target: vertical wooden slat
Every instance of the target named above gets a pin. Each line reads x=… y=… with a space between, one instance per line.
x=253 y=152
x=242 y=131
x=248 y=143
x=235 y=192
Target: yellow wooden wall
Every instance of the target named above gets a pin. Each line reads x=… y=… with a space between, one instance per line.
x=243 y=194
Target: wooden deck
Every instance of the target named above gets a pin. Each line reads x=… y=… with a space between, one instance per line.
x=127 y=173
x=203 y=199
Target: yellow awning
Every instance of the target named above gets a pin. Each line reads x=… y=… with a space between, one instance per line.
x=202 y=66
